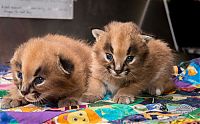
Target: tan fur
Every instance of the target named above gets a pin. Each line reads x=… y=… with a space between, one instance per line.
x=151 y=69
x=45 y=52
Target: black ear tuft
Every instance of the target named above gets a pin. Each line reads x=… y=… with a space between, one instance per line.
x=65 y=65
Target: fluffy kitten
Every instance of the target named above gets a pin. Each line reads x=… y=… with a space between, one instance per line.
x=53 y=68
x=126 y=63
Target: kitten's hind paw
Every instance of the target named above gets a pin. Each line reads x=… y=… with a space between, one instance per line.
x=123 y=99
x=90 y=98
x=67 y=102
x=10 y=103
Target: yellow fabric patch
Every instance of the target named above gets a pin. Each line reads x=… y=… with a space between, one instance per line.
x=28 y=108
x=192 y=71
x=86 y=116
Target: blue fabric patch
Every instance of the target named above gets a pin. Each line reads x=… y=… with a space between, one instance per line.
x=5 y=118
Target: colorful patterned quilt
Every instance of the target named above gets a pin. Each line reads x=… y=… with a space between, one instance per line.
x=177 y=107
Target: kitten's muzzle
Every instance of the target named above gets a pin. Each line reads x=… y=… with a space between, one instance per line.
x=118 y=71
x=33 y=96
x=24 y=92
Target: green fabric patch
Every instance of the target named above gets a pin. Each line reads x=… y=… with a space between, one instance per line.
x=3 y=93
x=194 y=114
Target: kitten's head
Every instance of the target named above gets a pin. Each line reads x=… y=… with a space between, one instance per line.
x=120 y=48
x=41 y=72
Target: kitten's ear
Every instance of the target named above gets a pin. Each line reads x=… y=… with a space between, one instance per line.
x=145 y=38
x=15 y=60
x=12 y=60
x=97 y=32
x=65 y=65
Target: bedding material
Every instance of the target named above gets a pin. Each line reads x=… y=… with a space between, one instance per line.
x=174 y=107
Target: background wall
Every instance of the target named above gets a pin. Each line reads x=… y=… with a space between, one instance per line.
x=88 y=14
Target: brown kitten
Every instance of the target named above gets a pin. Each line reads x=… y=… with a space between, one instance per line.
x=49 y=69
x=127 y=63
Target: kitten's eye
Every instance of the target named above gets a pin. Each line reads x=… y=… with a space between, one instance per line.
x=38 y=80
x=109 y=56
x=19 y=75
x=129 y=59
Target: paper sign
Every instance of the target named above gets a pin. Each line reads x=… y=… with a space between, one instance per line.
x=46 y=9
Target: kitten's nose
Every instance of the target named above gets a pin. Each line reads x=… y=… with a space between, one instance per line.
x=24 y=92
x=118 y=71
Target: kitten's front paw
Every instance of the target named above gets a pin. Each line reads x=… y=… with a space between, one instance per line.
x=155 y=91
x=90 y=98
x=67 y=102
x=10 y=103
x=123 y=99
